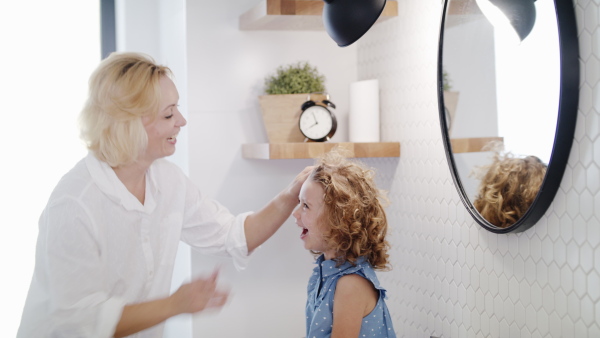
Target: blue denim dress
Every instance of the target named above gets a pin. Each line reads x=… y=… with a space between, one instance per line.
x=319 y=305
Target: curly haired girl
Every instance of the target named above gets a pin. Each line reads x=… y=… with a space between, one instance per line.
x=344 y=223
x=508 y=188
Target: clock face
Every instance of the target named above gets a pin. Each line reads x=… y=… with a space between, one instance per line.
x=317 y=123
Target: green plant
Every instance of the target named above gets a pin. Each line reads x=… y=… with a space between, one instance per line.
x=446 y=86
x=295 y=78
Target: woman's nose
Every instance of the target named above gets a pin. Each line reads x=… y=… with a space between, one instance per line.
x=181 y=121
x=295 y=213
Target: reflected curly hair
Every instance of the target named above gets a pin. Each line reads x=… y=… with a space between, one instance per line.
x=353 y=210
x=508 y=188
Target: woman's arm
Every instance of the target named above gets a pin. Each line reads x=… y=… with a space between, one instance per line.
x=193 y=297
x=355 y=297
x=264 y=223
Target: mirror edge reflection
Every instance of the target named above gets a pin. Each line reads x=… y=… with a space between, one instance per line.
x=566 y=120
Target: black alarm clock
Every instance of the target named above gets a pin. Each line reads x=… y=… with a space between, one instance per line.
x=317 y=122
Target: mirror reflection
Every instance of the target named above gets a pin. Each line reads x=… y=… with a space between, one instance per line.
x=501 y=99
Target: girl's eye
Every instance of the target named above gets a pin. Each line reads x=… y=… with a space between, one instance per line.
x=304 y=205
x=168 y=117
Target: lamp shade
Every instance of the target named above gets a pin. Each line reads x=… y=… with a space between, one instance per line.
x=519 y=13
x=347 y=20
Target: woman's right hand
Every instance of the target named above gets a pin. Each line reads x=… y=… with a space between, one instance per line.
x=294 y=187
x=198 y=295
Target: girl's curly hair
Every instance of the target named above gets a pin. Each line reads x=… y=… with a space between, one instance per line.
x=508 y=188
x=353 y=210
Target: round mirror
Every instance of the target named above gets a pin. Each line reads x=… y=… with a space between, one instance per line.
x=508 y=104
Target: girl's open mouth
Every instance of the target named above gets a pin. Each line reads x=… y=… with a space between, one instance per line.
x=304 y=232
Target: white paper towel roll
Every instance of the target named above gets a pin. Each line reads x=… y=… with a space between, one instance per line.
x=363 y=119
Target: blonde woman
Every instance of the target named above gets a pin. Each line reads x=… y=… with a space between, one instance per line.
x=110 y=231
x=343 y=222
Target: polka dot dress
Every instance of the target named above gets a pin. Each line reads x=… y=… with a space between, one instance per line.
x=321 y=290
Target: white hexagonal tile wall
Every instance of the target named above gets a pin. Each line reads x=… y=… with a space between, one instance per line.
x=452 y=277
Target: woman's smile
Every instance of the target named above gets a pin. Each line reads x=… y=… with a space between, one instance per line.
x=173 y=139
x=164 y=128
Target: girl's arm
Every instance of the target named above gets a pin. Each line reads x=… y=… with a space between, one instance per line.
x=355 y=297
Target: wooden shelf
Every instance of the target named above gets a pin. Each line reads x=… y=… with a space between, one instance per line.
x=305 y=15
x=280 y=151
x=472 y=144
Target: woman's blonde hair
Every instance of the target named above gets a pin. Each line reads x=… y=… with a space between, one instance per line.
x=124 y=88
x=508 y=187
x=353 y=214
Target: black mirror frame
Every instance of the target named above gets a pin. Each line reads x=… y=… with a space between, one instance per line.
x=565 y=130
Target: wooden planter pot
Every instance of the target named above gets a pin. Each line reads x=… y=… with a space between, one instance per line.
x=281 y=113
x=451 y=102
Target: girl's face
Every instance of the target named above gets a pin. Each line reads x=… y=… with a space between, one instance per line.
x=162 y=131
x=309 y=216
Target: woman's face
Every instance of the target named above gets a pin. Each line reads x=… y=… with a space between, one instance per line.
x=309 y=216
x=162 y=131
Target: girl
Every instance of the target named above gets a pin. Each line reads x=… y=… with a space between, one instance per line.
x=508 y=187
x=343 y=221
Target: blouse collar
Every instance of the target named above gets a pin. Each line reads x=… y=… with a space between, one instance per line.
x=107 y=181
x=328 y=267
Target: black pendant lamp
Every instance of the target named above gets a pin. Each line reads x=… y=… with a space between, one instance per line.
x=347 y=20
x=519 y=13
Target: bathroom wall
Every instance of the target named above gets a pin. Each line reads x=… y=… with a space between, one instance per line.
x=451 y=278
x=226 y=72
x=157 y=28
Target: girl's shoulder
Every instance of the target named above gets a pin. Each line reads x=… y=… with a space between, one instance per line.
x=329 y=269
x=354 y=282
x=363 y=269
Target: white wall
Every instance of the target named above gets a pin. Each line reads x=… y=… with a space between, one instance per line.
x=451 y=277
x=519 y=107
x=477 y=89
x=46 y=64
x=227 y=68
x=157 y=28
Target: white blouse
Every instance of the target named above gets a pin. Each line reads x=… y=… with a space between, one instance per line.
x=99 y=248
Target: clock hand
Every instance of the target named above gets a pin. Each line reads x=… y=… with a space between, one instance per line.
x=315 y=118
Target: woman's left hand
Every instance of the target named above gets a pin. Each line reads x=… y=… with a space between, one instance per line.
x=199 y=295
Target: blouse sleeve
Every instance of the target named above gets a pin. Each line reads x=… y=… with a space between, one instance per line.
x=72 y=272
x=212 y=229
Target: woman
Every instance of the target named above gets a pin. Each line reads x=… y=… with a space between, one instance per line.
x=110 y=231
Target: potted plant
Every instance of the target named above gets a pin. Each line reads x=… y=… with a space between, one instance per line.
x=450 y=100
x=286 y=90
